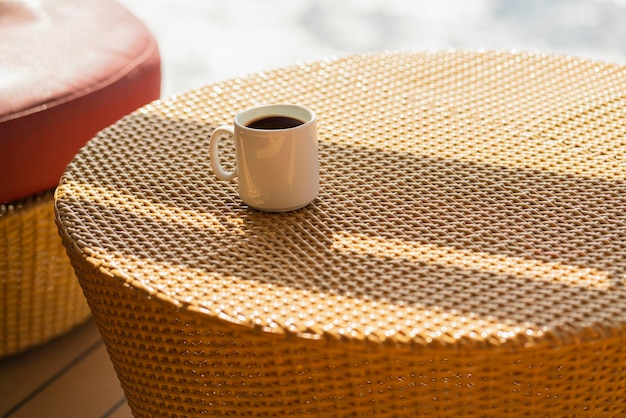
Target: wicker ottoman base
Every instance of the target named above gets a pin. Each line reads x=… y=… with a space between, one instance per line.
x=40 y=296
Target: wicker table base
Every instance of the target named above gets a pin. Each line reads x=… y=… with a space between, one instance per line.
x=466 y=255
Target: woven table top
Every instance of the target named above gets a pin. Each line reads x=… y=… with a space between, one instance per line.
x=468 y=199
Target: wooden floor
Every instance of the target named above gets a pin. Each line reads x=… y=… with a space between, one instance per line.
x=69 y=376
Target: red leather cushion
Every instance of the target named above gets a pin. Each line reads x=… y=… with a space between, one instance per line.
x=68 y=68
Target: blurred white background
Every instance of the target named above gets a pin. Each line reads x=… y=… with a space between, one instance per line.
x=204 y=41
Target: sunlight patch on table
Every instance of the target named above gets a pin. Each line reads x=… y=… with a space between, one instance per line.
x=497 y=264
x=143 y=207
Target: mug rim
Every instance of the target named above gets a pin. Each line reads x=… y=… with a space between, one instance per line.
x=256 y=112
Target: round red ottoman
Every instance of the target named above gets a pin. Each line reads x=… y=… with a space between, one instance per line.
x=68 y=68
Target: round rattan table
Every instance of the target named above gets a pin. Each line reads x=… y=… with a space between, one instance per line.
x=466 y=255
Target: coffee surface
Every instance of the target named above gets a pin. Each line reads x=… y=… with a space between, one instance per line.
x=275 y=122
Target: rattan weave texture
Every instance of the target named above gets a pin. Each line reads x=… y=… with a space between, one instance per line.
x=39 y=294
x=466 y=255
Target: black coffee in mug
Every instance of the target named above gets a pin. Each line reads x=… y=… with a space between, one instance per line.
x=274 y=122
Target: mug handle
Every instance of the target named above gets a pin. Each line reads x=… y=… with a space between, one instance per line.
x=224 y=131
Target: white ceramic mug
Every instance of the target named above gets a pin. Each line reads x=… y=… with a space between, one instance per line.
x=277 y=163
